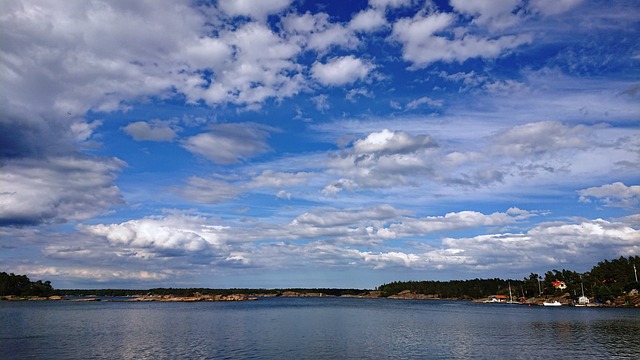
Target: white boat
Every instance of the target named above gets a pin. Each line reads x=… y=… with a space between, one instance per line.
x=551 y=303
x=582 y=300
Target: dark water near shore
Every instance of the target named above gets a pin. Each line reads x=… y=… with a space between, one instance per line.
x=314 y=328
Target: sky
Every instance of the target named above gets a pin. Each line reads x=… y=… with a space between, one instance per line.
x=292 y=143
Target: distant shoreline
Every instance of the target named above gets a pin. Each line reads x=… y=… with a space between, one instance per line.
x=630 y=301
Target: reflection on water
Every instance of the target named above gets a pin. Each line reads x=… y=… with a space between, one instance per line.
x=314 y=328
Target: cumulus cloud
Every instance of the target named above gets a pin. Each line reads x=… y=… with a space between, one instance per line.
x=341 y=70
x=316 y=32
x=381 y=159
x=174 y=235
x=368 y=20
x=154 y=49
x=616 y=194
x=262 y=66
x=154 y=131
x=424 y=40
x=229 y=143
x=57 y=189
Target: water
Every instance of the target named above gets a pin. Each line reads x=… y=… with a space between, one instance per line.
x=314 y=328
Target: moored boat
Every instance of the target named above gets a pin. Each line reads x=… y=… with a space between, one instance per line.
x=551 y=303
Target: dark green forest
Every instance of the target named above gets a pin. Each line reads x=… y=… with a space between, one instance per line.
x=605 y=281
x=20 y=285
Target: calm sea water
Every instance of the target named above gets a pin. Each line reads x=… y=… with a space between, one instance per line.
x=314 y=328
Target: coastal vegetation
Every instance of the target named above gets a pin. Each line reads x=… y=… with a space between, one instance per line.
x=20 y=285
x=605 y=282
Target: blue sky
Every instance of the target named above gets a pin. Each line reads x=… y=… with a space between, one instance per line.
x=316 y=143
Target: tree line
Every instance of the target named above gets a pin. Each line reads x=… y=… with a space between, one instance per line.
x=20 y=285
x=605 y=281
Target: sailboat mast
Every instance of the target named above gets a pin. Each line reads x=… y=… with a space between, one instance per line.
x=510 y=297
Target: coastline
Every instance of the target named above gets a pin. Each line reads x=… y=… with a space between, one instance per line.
x=627 y=301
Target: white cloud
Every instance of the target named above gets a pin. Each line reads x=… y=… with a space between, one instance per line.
x=153 y=131
x=176 y=234
x=102 y=53
x=382 y=159
x=551 y=244
x=325 y=218
x=256 y=9
x=338 y=186
x=616 y=194
x=154 y=48
x=321 y=102
x=336 y=35
x=422 y=44
x=208 y=53
x=354 y=93
x=368 y=20
x=208 y=191
x=93 y=273
x=216 y=189
x=392 y=142
x=382 y=4
x=262 y=66
x=553 y=7
x=283 y=195
x=495 y=14
x=545 y=245
x=316 y=32
x=425 y=100
x=83 y=131
x=277 y=180
x=540 y=137
x=341 y=70
x=57 y=189
x=229 y=143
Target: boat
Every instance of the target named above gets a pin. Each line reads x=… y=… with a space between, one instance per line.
x=582 y=300
x=551 y=303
